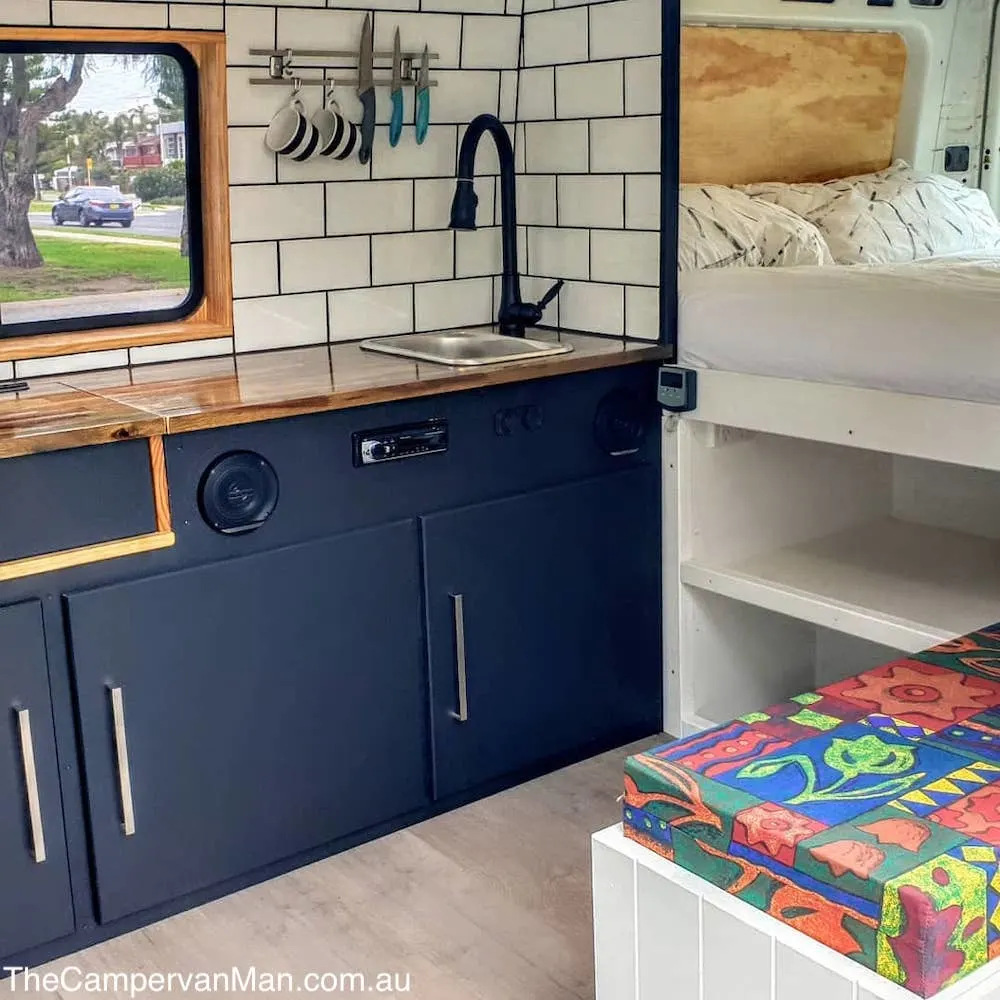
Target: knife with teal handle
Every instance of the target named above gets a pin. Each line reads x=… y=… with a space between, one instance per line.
x=396 y=123
x=423 y=118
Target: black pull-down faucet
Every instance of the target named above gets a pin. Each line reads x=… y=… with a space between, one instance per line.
x=515 y=315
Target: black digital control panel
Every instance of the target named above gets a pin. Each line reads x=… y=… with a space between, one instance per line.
x=389 y=444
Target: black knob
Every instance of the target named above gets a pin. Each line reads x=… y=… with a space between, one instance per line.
x=238 y=492
x=532 y=418
x=620 y=422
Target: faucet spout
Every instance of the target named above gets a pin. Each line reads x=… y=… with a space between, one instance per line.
x=514 y=316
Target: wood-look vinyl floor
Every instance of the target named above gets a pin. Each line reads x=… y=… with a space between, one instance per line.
x=489 y=902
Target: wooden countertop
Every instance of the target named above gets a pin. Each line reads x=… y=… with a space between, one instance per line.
x=100 y=407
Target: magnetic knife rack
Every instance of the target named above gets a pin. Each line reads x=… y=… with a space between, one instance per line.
x=281 y=72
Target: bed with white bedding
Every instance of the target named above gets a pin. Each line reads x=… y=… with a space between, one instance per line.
x=886 y=281
x=930 y=327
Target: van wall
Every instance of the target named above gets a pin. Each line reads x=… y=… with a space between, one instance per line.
x=948 y=63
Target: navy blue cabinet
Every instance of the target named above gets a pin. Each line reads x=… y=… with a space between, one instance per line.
x=543 y=619
x=35 y=900
x=244 y=711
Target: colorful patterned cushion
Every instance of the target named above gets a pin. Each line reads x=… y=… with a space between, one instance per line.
x=865 y=814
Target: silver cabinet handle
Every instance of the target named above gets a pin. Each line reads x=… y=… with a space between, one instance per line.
x=121 y=752
x=458 y=603
x=31 y=783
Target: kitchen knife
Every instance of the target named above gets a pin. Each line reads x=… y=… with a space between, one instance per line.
x=366 y=91
x=423 y=118
x=396 y=125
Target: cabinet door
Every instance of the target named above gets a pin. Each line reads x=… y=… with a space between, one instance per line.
x=242 y=712
x=35 y=901
x=543 y=622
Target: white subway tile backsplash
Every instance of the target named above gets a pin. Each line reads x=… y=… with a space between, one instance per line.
x=536 y=199
x=33 y=12
x=461 y=96
x=84 y=362
x=309 y=239
x=642 y=202
x=435 y=158
x=537 y=92
x=592 y=308
x=625 y=256
x=249 y=28
x=250 y=161
x=285 y=3
x=448 y=304
x=313 y=29
x=465 y=7
x=276 y=212
x=478 y=252
x=642 y=86
x=108 y=14
x=322 y=168
x=412 y=257
x=642 y=313
x=442 y=33
x=625 y=28
x=371 y=312
x=556 y=147
x=592 y=201
x=369 y=207
x=508 y=95
x=324 y=264
x=252 y=105
x=490 y=42
x=376 y=4
x=255 y=269
x=590 y=90
x=185 y=351
x=559 y=253
x=625 y=145
x=280 y=321
x=558 y=36
x=197 y=17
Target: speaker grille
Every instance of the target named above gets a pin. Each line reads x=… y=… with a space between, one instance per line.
x=238 y=492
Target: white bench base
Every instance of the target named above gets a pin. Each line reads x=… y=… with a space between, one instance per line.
x=661 y=933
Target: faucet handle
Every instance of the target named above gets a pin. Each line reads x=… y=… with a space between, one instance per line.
x=550 y=295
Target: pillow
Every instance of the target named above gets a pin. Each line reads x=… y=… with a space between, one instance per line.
x=890 y=217
x=723 y=227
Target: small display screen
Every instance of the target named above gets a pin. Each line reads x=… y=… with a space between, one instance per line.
x=671 y=380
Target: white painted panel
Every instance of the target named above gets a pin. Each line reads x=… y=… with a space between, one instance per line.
x=735 y=658
x=736 y=958
x=947 y=430
x=669 y=938
x=614 y=923
x=947 y=496
x=789 y=491
x=816 y=966
x=796 y=978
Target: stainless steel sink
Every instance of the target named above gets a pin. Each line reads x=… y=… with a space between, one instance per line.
x=463 y=347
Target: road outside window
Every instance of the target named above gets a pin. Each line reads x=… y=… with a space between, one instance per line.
x=97 y=218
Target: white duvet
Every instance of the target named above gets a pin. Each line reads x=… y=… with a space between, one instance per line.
x=930 y=327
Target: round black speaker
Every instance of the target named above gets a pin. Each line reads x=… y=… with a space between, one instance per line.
x=620 y=422
x=238 y=492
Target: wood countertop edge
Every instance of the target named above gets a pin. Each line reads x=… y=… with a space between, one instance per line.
x=138 y=420
x=140 y=427
x=449 y=381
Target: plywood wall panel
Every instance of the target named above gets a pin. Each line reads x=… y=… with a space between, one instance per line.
x=774 y=104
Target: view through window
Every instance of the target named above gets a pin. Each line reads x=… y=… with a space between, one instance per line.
x=98 y=223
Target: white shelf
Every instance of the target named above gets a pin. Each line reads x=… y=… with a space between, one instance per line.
x=904 y=585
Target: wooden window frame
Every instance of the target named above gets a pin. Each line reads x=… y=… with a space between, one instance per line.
x=214 y=317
